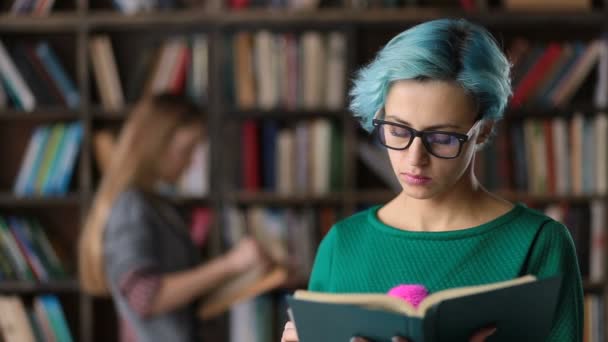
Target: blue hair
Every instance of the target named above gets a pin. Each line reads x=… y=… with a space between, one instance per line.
x=444 y=49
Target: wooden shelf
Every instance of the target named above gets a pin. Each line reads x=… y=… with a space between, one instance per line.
x=56 y=22
x=22 y=287
x=190 y=200
x=381 y=196
x=99 y=114
x=372 y=196
x=548 y=112
x=112 y=20
x=42 y=114
x=266 y=198
x=398 y=17
x=589 y=286
x=282 y=114
x=545 y=199
x=11 y=201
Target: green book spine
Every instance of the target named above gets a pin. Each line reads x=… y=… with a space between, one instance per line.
x=49 y=154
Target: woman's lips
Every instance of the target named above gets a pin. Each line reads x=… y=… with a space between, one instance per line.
x=413 y=179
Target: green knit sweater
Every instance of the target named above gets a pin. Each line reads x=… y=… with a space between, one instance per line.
x=362 y=254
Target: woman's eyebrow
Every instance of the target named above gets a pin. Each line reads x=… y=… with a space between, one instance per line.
x=439 y=126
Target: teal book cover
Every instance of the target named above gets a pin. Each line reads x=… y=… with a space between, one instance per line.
x=520 y=309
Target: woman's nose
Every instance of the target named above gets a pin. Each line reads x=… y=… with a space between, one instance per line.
x=417 y=154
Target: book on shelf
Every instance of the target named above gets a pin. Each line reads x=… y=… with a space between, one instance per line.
x=544 y=5
x=552 y=74
x=32 y=75
x=564 y=155
x=521 y=309
x=594 y=325
x=44 y=320
x=106 y=73
x=586 y=223
x=49 y=160
x=176 y=65
x=28 y=253
x=285 y=70
x=32 y=7
x=302 y=157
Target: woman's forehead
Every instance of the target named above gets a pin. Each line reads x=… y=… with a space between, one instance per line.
x=429 y=103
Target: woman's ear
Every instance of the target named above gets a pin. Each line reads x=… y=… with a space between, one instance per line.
x=485 y=132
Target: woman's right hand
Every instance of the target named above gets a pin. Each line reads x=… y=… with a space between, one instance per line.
x=244 y=255
x=289 y=333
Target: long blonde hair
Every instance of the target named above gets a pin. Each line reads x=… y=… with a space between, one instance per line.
x=145 y=134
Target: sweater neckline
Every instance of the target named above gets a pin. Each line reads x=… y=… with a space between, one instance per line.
x=499 y=221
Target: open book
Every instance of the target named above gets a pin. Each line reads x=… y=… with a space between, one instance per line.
x=521 y=309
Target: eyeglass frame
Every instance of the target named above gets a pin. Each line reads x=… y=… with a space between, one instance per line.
x=462 y=138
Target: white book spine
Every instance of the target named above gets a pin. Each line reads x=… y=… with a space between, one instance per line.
x=15 y=81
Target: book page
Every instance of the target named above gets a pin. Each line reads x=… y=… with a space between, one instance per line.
x=469 y=290
x=371 y=301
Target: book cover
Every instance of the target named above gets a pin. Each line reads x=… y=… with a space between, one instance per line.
x=521 y=309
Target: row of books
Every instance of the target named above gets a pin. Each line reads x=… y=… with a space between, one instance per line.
x=26 y=252
x=552 y=74
x=595 y=322
x=304 y=157
x=553 y=156
x=178 y=65
x=49 y=160
x=130 y=7
x=33 y=7
x=268 y=70
x=32 y=75
x=588 y=226
x=43 y=320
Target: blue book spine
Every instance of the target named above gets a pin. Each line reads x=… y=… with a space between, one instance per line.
x=55 y=312
x=58 y=74
x=69 y=157
x=269 y=139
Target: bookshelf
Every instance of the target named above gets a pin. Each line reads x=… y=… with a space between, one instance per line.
x=71 y=28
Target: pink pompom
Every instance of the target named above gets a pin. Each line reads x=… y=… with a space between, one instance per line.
x=411 y=293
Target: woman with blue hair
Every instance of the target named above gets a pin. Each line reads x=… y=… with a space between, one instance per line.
x=432 y=96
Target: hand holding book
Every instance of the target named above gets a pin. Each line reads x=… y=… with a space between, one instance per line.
x=480 y=336
x=290 y=334
x=521 y=309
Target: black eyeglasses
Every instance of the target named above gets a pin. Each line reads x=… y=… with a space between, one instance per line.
x=445 y=145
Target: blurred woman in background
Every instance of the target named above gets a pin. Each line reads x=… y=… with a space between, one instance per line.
x=135 y=246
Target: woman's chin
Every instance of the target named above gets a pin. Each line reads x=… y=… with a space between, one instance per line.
x=419 y=193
